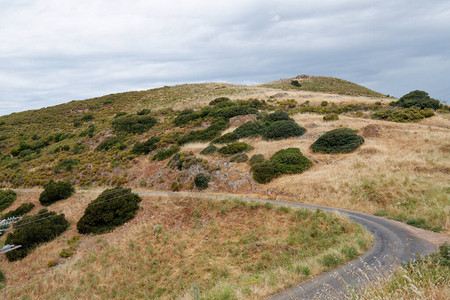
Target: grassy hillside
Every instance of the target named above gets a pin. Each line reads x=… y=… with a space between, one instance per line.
x=322 y=84
x=227 y=249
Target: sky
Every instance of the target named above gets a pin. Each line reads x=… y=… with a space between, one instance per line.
x=54 y=51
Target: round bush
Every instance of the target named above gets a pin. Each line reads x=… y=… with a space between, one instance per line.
x=201 y=181
x=256 y=159
x=55 y=191
x=235 y=148
x=209 y=150
x=283 y=129
x=277 y=116
x=32 y=231
x=264 y=172
x=342 y=140
x=290 y=161
x=112 y=208
x=250 y=129
x=226 y=138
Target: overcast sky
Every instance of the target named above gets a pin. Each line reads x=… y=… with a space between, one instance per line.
x=54 y=51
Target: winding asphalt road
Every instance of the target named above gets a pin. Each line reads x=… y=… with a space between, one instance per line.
x=393 y=244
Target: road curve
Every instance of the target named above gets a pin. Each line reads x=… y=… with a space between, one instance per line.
x=393 y=244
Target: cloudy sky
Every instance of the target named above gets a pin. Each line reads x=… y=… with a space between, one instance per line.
x=54 y=51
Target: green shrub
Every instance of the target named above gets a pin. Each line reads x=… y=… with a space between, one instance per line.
x=250 y=129
x=112 y=208
x=20 y=211
x=412 y=114
x=55 y=191
x=189 y=115
x=290 y=161
x=277 y=116
x=444 y=253
x=285 y=161
x=133 y=123
x=201 y=181
x=145 y=147
x=264 y=172
x=209 y=150
x=66 y=164
x=256 y=159
x=217 y=126
x=110 y=143
x=381 y=213
x=164 y=154
x=221 y=102
x=32 y=231
x=66 y=253
x=295 y=83
x=239 y=158
x=7 y=197
x=349 y=251
x=330 y=117
x=226 y=138
x=283 y=129
x=341 y=140
x=235 y=148
x=418 y=99
x=324 y=103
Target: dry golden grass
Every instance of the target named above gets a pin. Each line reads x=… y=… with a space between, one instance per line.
x=227 y=247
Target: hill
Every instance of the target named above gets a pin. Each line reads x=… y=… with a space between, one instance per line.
x=222 y=138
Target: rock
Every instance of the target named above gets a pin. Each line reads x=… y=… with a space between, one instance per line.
x=239 y=120
x=371 y=131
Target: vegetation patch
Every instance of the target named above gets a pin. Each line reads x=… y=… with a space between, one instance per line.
x=55 y=191
x=217 y=126
x=20 y=211
x=32 y=231
x=209 y=150
x=134 y=123
x=112 y=208
x=239 y=158
x=235 y=148
x=283 y=129
x=286 y=161
x=145 y=147
x=412 y=114
x=330 y=117
x=419 y=99
x=114 y=142
x=250 y=129
x=341 y=140
x=66 y=164
x=7 y=197
x=201 y=181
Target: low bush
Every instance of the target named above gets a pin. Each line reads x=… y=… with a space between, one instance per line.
x=226 y=138
x=217 y=126
x=250 y=129
x=295 y=83
x=20 y=211
x=330 y=117
x=285 y=161
x=209 y=150
x=55 y=191
x=66 y=164
x=341 y=140
x=277 y=116
x=418 y=99
x=32 y=231
x=145 y=147
x=133 y=123
x=110 y=143
x=256 y=159
x=290 y=161
x=144 y=112
x=239 y=158
x=331 y=260
x=201 y=181
x=283 y=129
x=221 y=102
x=164 y=154
x=189 y=115
x=232 y=111
x=7 y=197
x=412 y=114
x=264 y=172
x=112 y=208
x=88 y=131
x=235 y=148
